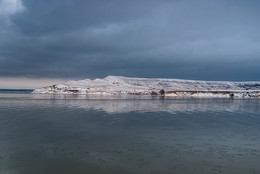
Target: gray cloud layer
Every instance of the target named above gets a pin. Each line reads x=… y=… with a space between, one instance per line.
x=204 y=39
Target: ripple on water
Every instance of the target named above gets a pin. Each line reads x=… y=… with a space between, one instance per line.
x=70 y=134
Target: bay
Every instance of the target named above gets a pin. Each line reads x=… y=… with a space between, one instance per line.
x=129 y=134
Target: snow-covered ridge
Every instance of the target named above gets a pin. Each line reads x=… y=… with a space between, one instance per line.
x=118 y=85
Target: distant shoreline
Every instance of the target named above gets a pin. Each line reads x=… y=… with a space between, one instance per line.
x=118 y=85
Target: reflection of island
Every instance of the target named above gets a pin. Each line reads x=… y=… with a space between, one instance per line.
x=70 y=133
x=117 y=85
x=123 y=104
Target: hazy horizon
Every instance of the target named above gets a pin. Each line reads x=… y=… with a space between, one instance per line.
x=32 y=83
x=27 y=83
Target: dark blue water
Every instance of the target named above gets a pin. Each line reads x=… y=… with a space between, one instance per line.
x=64 y=134
x=16 y=91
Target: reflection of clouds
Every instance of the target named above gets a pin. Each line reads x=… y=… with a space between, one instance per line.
x=39 y=132
x=123 y=104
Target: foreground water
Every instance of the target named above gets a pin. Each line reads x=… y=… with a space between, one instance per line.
x=64 y=134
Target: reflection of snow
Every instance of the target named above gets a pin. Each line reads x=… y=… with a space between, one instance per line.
x=124 y=104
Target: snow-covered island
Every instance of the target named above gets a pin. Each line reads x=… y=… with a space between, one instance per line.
x=118 y=85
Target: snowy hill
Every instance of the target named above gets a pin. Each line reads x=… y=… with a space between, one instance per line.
x=116 y=85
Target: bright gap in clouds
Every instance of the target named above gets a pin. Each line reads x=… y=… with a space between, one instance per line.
x=8 y=7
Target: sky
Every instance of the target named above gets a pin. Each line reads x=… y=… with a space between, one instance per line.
x=62 y=40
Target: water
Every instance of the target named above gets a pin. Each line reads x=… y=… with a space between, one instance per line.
x=18 y=91
x=64 y=134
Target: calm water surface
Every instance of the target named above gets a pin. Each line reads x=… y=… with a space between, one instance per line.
x=64 y=134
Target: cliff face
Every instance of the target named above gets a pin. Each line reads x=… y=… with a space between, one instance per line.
x=116 y=85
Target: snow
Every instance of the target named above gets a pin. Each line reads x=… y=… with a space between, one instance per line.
x=118 y=85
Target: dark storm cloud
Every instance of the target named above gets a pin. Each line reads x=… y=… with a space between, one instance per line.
x=205 y=39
